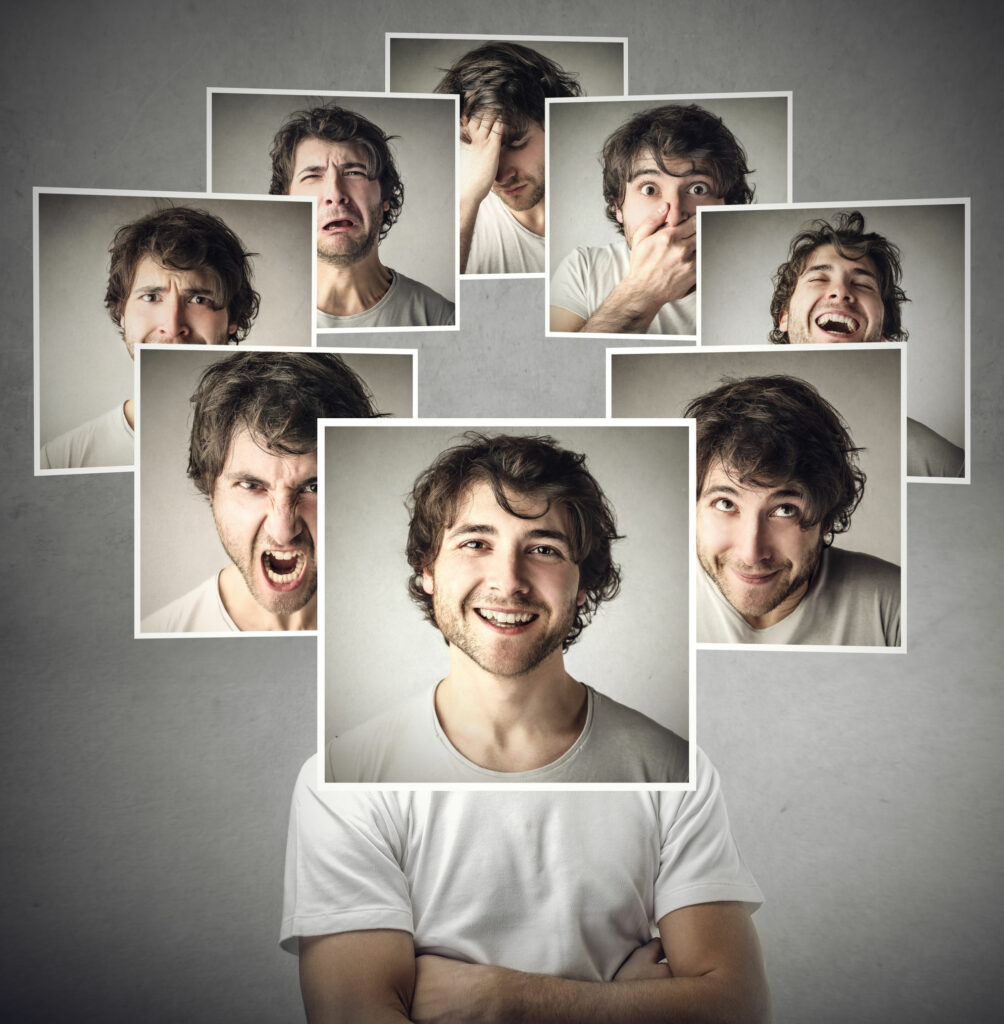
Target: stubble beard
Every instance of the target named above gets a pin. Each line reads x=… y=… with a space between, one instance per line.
x=757 y=607
x=358 y=248
x=523 y=203
x=249 y=566
x=459 y=631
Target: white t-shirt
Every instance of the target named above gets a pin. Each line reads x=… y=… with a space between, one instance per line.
x=930 y=454
x=407 y=744
x=501 y=245
x=406 y=303
x=564 y=883
x=853 y=600
x=106 y=440
x=199 y=611
x=586 y=277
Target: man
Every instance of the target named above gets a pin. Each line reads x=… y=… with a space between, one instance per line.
x=777 y=480
x=177 y=276
x=253 y=454
x=842 y=284
x=509 y=547
x=345 y=161
x=528 y=906
x=502 y=89
x=659 y=168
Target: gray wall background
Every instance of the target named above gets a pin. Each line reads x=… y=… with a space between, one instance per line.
x=147 y=783
x=373 y=660
x=863 y=386
x=84 y=368
x=577 y=131
x=742 y=249
x=417 y=65
x=422 y=243
x=179 y=546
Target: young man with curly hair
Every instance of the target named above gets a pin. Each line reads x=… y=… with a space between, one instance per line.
x=777 y=480
x=345 y=160
x=659 y=168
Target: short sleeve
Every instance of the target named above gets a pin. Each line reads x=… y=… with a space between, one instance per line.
x=343 y=862
x=569 y=285
x=699 y=860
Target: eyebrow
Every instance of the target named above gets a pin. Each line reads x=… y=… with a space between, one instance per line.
x=654 y=169
x=235 y=475
x=779 y=492
x=349 y=165
x=158 y=288
x=538 y=533
x=827 y=267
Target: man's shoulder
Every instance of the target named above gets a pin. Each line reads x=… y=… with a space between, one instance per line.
x=930 y=454
x=198 y=611
x=366 y=752
x=648 y=751
x=105 y=440
x=860 y=569
x=426 y=307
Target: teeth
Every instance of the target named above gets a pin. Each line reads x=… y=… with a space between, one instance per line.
x=830 y=320
x=506 y=618
x=283 y=556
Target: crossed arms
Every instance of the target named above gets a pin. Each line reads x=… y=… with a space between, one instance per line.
x=713 y=972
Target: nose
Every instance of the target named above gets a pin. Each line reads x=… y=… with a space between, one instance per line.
x=506 y=573
x=679 y=208
x=753 y=544
x=333 y=192
x=283 y=523
x=840 y=289
x=173 y=319
x=506 y=171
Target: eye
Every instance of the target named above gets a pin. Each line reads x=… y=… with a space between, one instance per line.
x=648 y=189
x=473 y=545
x=149 y=297
x=249 y=485
x=700 y=188
x=724 y=505
x=547 y=550
x=865 y=285
x=310 y=488
x=787 y=511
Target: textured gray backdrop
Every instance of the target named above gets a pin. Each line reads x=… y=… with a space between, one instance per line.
x=147 y=783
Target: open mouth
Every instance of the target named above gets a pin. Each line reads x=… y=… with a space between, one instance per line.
x=283 y=569
x=837 y=323
x=341 y=224
x=506 y=620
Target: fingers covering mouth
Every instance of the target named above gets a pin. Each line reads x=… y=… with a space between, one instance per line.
x=837 y=323
x=283 y=568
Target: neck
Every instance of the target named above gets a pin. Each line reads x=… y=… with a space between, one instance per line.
x=344 y=290
x=533 y=219
x=129 y=411
x=248 y=614
x=510 y=723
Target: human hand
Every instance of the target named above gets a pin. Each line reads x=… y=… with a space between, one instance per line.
x=664 y=256
x=645 y=962
x=480 y=146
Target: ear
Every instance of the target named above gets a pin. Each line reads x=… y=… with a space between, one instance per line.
x=428 y=584
x=386 y=205
x=782 y=321
x=231 y=331
x=619 y=215
x=580 y=598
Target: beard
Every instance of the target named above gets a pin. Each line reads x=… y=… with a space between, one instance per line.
x=249 y=564
x=754 y=603
x=349 y=250
x=495 y=653
x=528 y=199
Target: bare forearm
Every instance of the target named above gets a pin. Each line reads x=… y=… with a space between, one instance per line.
x=626 y=310
x=468 y=218
x=498 y=996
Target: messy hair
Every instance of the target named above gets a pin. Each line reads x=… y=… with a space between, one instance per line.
x=847 y=235
x=510 y=79
x=335 y=124
x=278 y=397
x=516 y=467
x=183 y=238
x=673 y=131
x=770 y=430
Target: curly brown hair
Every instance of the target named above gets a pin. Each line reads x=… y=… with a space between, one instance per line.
x=510 y=79
x=184 y=238
x=847 y=235
x=528 y=467
x=768 y=430
x=278 y=397
x=674 y=130
x=336 y=124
